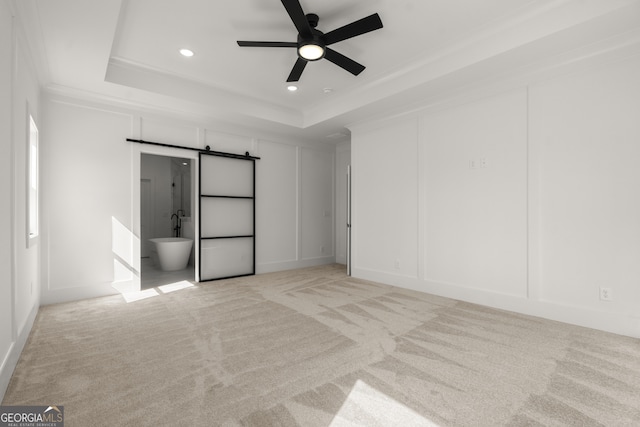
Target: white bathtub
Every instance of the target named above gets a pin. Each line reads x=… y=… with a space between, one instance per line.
x=173 y=252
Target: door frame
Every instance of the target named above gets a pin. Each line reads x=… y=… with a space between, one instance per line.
x=136 y=159
x=149 y=183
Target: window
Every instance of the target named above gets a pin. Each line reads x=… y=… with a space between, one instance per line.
x=32 y=178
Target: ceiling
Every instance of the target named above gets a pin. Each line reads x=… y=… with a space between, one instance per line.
x=427 y=52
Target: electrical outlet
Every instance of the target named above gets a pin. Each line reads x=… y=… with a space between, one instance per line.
x=484 y=163
x=606 y=294
x=321 y=249
x=397 y=264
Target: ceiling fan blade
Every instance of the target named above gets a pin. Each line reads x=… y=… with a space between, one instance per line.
x=298 y=17
x=298 y=68
x=342 y=61
x=356 y=28
x=267 y=44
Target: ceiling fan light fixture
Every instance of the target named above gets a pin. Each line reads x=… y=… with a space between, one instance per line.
x=312 y=43
x=311 y=51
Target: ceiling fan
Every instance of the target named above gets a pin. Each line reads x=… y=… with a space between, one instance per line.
x=312 y=43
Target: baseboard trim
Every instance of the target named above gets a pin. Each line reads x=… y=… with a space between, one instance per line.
x=617 y=323
x=63 y=295
x=13 y=355
x=78 y=293
x=294 y=264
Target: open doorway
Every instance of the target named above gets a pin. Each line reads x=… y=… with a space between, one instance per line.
x=343 y=206
x=348 y=222
x=167 y=228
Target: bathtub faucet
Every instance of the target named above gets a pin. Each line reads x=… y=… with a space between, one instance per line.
x=178 y=224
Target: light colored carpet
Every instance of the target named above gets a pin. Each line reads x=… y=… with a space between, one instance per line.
x=314 y=347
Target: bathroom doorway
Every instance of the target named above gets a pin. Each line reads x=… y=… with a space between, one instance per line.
x=166 y=220
x=348 y=220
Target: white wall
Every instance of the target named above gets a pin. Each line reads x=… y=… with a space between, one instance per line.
x=278 y=222
x=585 y=130
x=384 y=199
x=90 y=167
x=550 y=218
x=316 y=199
x=86 y=166
x=19 y=262
x=6 y=252
x=475 y=215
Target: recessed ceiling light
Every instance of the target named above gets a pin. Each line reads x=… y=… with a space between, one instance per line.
x=292 y=88
x=186 y=52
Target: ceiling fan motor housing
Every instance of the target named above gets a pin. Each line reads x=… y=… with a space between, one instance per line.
x=313 y=19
